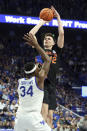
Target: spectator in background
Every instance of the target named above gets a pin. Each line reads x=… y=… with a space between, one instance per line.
x=83 y=126
x=11 y=97
x=82 y=120
x=5 y=94
x=2 y=104
x=2 y=86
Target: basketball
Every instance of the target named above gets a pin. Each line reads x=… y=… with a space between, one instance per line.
x=46 y=14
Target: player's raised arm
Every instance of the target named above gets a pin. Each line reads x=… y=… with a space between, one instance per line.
x=31 y=40
x=46 y=15
x=35 y=29
x=60 y=41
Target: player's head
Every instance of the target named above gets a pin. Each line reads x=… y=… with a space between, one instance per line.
x=49 y=41
x=32 y=69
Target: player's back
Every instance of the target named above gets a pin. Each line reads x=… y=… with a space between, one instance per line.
x=30 y=96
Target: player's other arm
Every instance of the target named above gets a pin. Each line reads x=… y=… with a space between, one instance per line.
x=31 y=40
x=35 y=29
x=60 y=41
x=46 y=65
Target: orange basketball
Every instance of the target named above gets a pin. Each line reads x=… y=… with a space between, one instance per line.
x=46 y=14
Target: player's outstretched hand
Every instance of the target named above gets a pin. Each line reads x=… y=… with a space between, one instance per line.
x=56 y=14
x=43 y=21
x=30 y=39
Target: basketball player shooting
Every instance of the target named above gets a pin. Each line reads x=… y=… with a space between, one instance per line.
x=53 y=49
x=30 y=91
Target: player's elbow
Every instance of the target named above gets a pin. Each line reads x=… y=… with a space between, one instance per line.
x=60 y=42
x=61 y=45
x=61 y=33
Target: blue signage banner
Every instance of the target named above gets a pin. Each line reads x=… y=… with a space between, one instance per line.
x=13 y=19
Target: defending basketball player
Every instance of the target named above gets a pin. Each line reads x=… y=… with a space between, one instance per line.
x=53 y=50
x=30 y=90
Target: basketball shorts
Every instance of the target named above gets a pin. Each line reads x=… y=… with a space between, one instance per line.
x=33 y=121
x=50 y=96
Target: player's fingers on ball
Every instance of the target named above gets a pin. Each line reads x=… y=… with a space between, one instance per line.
x=52 y=7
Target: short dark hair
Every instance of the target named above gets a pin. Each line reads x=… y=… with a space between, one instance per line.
x=29 y=66
x=51 y=35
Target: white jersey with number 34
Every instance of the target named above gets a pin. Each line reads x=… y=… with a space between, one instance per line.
x=30 y=96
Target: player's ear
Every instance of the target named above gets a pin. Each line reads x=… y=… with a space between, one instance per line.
x=54 y=43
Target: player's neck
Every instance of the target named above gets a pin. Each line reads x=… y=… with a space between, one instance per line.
x=48 y=48
x=29 y=76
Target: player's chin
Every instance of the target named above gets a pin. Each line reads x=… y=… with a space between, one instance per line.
x=46 y=46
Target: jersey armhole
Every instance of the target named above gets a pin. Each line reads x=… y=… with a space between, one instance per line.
x=37 y=85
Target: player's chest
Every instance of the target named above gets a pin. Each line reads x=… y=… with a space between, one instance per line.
x=53 y=56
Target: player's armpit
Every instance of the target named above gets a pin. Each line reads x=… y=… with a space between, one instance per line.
x=42 y=75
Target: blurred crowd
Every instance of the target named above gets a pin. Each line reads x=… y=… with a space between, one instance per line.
x=72 y=9
x=65 y=120
x=72 y=100
x=73 y=69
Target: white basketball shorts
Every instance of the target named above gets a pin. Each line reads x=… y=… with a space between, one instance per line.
x=32 y=121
